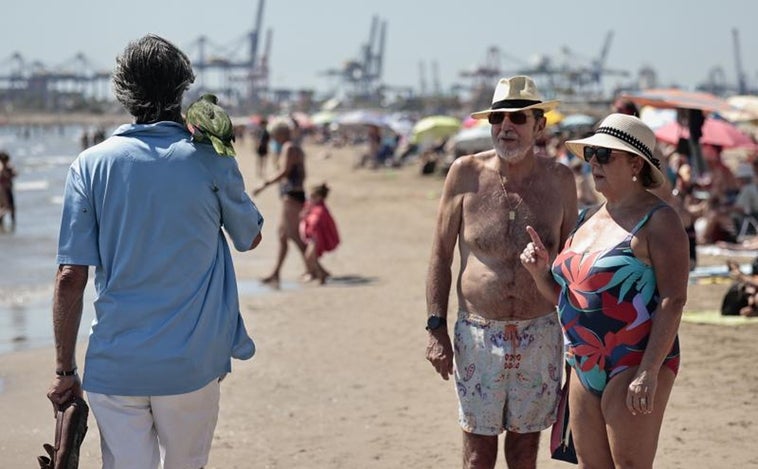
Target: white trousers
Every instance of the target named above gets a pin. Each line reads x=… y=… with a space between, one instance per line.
x=156 y=432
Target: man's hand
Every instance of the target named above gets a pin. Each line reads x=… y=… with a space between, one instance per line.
x=439 y=351
x=63 y=389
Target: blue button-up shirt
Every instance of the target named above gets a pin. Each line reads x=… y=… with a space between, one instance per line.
x=146 y=208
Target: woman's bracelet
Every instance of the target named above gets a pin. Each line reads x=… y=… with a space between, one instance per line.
x=66 y=373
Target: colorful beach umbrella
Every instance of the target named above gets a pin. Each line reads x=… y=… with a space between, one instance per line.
x=674 y=98
x=692 y=105
x=553 y=117
x=435 y=127
x=715 y=132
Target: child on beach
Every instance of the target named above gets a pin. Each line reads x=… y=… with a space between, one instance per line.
x=318 y=231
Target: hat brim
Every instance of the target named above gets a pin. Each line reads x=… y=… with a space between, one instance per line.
x=544 y=105
x=604 y=140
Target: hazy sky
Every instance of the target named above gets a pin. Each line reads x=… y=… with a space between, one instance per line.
x=681 y=39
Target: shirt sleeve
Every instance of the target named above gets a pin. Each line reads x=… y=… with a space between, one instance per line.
x=240 y=218
x=78 y=236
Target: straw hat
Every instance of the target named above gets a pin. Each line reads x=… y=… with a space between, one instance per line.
x=515 y=94
x=626 y=133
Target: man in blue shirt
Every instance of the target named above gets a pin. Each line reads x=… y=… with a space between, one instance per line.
x=146 y=208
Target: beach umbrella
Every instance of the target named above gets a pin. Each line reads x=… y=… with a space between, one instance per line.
x=363 y=117
x=435 y=127
x=715 y=132
x=400 y=124
x=473 y=139
x=553 y=117
x=691 y=106
x=674 y=98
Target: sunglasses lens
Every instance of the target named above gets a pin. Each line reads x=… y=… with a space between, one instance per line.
x=517 y=118
x=602 y=154
x=588 y=152
x=496 y=118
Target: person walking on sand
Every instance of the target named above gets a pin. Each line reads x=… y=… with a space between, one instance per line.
x=620 y=283
x=508 y=350
x=319 y=232
x=7 y=201
x=291 y=179
x=146 y=208
x=262 y=149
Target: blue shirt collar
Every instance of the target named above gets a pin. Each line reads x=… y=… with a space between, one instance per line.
x=156 y=128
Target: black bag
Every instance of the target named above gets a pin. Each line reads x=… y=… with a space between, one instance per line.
x=734 y=300
x=561 y=441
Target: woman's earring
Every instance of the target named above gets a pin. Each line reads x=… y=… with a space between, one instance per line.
x=634 y=178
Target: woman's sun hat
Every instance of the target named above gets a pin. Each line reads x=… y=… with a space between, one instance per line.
x=626 y=133
x=515 y=94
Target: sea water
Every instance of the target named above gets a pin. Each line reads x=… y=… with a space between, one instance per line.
x=41 y=156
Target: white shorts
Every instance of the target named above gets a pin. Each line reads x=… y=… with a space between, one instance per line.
x=153 y=432
x=507 y=373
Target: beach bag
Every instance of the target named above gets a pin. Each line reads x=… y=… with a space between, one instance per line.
x=561 y=441
x=734 y=300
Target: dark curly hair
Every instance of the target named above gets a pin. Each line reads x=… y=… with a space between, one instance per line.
x=150 y=78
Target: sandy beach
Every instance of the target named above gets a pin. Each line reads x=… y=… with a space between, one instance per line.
x=340 y=380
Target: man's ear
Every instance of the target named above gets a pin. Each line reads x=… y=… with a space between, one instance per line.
x=539 y=125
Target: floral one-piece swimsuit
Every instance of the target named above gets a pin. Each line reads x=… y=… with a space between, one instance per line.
x=606 y=306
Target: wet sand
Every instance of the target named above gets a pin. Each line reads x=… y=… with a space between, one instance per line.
x=340 y=379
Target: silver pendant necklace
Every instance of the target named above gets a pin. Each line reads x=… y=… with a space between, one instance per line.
x=511 y=208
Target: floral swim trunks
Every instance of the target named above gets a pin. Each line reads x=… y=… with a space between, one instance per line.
x=507 y=373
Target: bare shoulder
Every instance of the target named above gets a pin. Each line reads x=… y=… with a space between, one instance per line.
x=555 y=174
x=665 y=223
x=468 y=166
x=664 y=215
x=552 y=167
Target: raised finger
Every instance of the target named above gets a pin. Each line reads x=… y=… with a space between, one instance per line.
x=535 y=237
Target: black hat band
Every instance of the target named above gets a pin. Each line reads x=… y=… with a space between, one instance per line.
x=514 y=103
x=631 y=140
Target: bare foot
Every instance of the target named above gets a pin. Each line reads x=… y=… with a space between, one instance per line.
x=323 y=278
x=272 y=281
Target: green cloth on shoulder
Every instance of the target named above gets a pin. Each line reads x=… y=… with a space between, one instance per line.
x=208 y=122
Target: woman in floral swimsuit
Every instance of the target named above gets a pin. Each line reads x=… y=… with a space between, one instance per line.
x=620 y=284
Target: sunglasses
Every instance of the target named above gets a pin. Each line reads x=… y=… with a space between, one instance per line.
x=602 y=154
x=517 y=118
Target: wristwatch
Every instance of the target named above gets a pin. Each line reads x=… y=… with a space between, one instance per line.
x=434 y=322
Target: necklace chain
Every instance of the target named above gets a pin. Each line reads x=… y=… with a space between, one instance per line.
x=511 y=208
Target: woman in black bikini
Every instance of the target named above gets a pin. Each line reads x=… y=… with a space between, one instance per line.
x=290 y=179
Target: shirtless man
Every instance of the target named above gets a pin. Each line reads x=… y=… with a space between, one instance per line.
x=508 y=342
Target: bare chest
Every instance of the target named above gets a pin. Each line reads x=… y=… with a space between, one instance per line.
x=495 y=219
